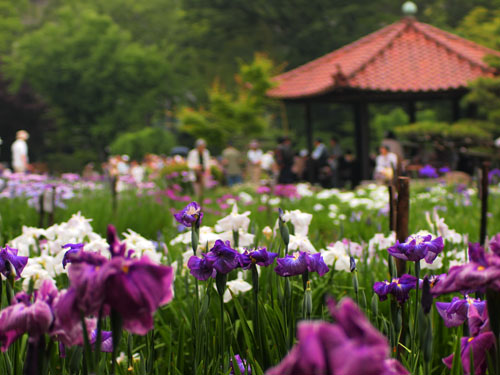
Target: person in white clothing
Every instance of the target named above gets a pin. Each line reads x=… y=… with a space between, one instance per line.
x=254 y=157
x=198 y=161
x=20 y=152
x=385 y=165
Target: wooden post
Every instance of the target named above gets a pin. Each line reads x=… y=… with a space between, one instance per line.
x=284 y=118
x=309 y=134
x=114 y=193
x=483 y=191
x=412 y=112
x=403 y=216
x=392 y=207
x=41 y=212
x=455 y=109
x=309 y=128
x=53 y=208
x=362 y=128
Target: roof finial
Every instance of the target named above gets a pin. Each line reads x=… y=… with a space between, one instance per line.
x=409 y=8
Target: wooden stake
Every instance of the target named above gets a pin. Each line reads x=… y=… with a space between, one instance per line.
x=392 y=207
x=483 y=193
x=53 y=203
x=114 y=193
x=402 y=217
x=42 y=213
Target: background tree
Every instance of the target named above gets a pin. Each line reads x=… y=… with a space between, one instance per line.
x=96 y=80
x=232 y=116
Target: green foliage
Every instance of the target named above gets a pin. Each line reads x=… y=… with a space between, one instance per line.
x=387 y=121
x=150 y=140
x=11 y=26
x=481 y=25
x=96 y=79
x=484 y=93
x=233 y=115
x=471 y=129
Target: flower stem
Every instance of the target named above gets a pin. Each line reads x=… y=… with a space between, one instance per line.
x=415 y=317
x=98 y=340
x=220 y=283
x=255 y=287
x=196 y=311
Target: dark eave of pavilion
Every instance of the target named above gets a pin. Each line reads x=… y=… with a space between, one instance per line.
x=353 y=95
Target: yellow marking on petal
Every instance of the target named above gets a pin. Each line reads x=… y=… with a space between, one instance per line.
x=481 y=268
x=192 y=210
x=470 y=339
x=125 y=268
x=296 y=255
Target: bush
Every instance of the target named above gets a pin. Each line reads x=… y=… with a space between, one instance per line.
x=150 y=140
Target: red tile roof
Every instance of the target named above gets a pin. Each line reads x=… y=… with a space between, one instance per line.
x=407 y=56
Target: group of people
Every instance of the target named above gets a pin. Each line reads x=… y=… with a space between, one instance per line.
x=327 y=166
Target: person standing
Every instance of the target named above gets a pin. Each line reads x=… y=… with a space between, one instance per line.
x=385 y=165
x=284 y=158
x=335 y=154
x=198 y=162
x=254 y=157
x=320 y=161
x=231 y=160
x=20 y=152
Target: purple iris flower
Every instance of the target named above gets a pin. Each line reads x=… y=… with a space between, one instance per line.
x=350 y=346
x=428 y=171
x=86 y=292
x=480 y=345
x=201 y=268
x=224 y=258
x=8 y=258
x=492 y=174
x=73 y=249
x=190 y=214
x=22 y=317
x=106 y=340
x=456 y=312
x=479 y=322
x=242 y=366
x=482 y=271
x=444 y=170
x=495 y=244
x=398 y=287
x=116 y=248
x=417 y=247
x=292 y=265
x=433 y=280
x=300 y=262
x=261 y=256
x=135 y=289
x=315 y=263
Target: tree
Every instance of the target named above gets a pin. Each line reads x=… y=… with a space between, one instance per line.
x=482 y=26
x=150 y=140
x=230 y=116
x=96 y=80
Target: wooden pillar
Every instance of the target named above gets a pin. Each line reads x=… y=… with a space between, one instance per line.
x=484 y=201
x=412 y=114
x=471 y=111
x=392 y=207
x=362 y=129
x=402 y=217
x=455 y=109
x=309 y=128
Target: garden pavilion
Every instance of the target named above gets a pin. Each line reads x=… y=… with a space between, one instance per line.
x=405 y=62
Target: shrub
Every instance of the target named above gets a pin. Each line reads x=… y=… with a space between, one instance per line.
x=150 y=140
